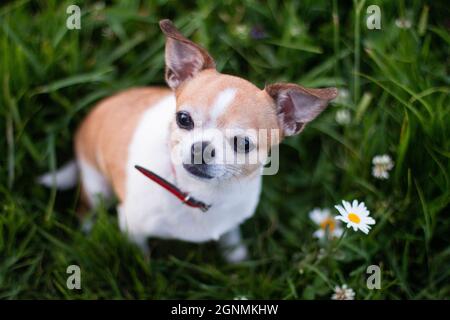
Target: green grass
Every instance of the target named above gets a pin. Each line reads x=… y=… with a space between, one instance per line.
x=398 y=95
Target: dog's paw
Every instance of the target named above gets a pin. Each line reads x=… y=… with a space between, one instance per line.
x=236 y=254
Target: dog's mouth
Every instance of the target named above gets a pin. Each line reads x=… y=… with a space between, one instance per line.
x=198 y=170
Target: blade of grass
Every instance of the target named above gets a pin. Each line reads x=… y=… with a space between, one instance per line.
x=357 y=6
x=96 y=76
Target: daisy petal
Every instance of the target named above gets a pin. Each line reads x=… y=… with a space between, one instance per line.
x=315 y=216
x=370 y=220
x=347 y=205
x=338 y=232
x=341 y=210
x=319 y=234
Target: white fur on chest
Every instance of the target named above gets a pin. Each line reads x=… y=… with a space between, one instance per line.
x=150 y=210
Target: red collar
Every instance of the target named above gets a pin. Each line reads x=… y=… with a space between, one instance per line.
x=183 y=196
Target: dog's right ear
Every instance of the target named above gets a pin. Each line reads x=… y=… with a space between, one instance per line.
x=184 y=58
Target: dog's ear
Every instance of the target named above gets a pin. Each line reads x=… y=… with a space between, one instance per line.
x=184 y=58
x=296 y=105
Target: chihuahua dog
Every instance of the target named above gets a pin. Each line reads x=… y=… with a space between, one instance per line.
x=204 y=115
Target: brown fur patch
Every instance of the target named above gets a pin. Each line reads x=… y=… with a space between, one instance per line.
x=104 y=136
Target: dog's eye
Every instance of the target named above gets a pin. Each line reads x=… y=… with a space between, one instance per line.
x=242 y=144
x=184 y=120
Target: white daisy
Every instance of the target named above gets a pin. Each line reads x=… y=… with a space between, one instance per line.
x=343 y=117
x=343 y=96
x=324 y=219
x=403 y=23
x=381 y=166
x=355 y=215
x=241 y=31
x=343 y=293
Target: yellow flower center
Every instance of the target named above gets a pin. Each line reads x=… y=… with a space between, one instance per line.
x=328 y=223
x=354 y=217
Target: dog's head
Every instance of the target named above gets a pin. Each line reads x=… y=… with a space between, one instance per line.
x=225 y=126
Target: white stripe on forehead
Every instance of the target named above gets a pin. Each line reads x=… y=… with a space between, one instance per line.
x=222 y=102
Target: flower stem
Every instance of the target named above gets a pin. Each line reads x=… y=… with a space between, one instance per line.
x=339 y=241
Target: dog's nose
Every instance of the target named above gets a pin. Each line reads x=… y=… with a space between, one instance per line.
x=202 y=152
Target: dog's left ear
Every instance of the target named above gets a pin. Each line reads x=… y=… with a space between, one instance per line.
x=184 y=58
x=297 y=106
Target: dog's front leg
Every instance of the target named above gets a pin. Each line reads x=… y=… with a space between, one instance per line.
x=137 y=238
x=233 y=249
